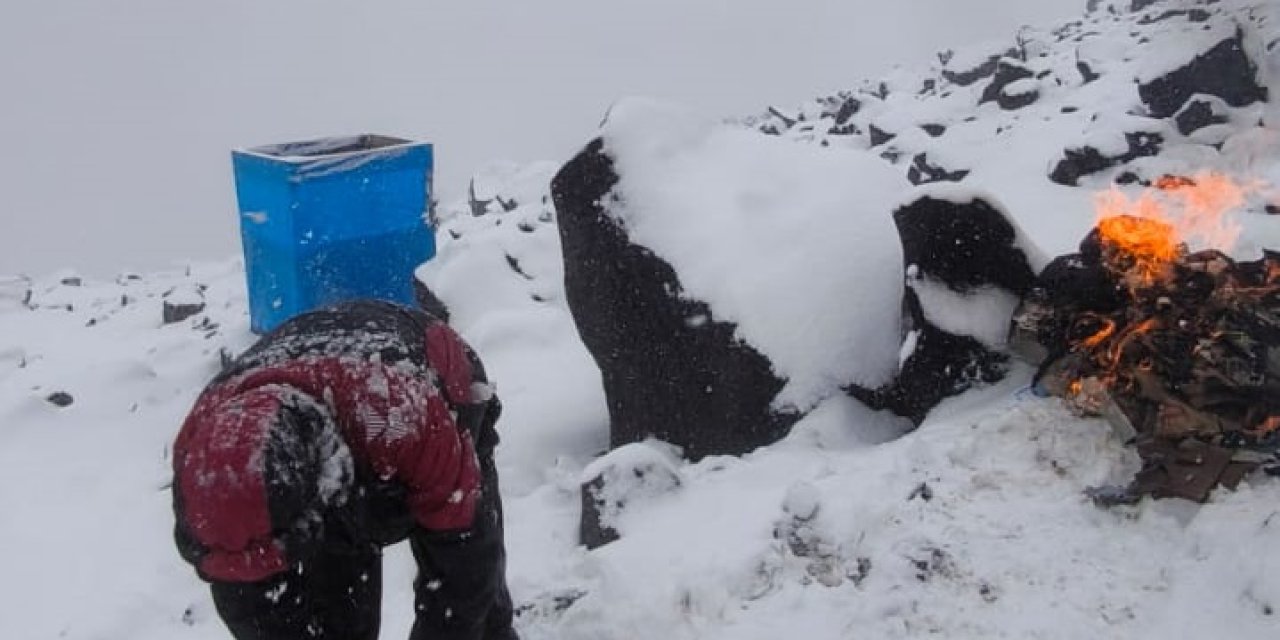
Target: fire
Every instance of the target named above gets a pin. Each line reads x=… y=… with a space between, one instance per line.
x=1151 y=228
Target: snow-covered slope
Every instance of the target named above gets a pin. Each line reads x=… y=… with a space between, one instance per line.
x=973 y=526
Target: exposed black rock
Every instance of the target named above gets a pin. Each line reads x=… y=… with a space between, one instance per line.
x=1192 y=15
x=879 y=136
x=1011 y=101
x=60 y=399
x=1139 y=5
x=1082 y=161
x=670 y=370
x=72 y=281
x=940 y=365
x=846 y=129
x=478 y=207
x=179 y=310
x=1225 y=70
x=923 y=172
x=622 y=477
x=934 y=130
x=848 y=108
x=1007 y=72
x=1197 y=114
x=966 y=77
x=1087 y=74
x=963 y=245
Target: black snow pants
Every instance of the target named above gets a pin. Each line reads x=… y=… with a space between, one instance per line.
x=460 y=592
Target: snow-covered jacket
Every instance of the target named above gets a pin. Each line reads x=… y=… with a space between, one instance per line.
x=328 y=418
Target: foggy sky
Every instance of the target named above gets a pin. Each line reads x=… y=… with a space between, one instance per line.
x=118 y=115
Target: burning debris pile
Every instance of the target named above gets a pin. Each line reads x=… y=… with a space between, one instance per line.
x=1180 y=351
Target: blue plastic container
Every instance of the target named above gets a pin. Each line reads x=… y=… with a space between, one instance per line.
x=333 y=219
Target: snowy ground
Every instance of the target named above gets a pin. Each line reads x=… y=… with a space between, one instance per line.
x=973 y=526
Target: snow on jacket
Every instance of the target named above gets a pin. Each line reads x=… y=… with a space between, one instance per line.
x=334 y=410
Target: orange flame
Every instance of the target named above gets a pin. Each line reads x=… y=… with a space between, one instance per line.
x=1151 y=227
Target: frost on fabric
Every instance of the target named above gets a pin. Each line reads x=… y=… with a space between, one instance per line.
x=792 y=243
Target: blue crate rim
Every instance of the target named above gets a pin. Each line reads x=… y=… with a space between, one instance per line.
x=264 y=151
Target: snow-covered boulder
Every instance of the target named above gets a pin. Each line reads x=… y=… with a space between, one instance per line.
x=1224 y=69
x=1009 y=86
x=967 y=266
x=726 y=281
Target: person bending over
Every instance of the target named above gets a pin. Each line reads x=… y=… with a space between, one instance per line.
x=345 y=430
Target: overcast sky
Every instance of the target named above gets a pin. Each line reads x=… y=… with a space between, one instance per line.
x=117 y=115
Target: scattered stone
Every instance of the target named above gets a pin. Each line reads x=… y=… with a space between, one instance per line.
x=924 y=172
x=72 y=281
x=922 y=491
x=514 y=264
x=60 y=399
x=183 y=302
x=1087 y=75
x=934 y=130
x=879 y=136
x=1086 y=160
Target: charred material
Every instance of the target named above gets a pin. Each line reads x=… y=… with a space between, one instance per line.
x=1180 y=354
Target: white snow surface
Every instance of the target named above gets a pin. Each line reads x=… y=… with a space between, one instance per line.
x=787 y=240
x=973 y=526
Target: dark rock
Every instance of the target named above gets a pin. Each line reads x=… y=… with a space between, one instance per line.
x=507 y=205
x=879 y=136
x=922 y=172
x=60 y=399
x=966 y=77
x=1087 y=74
x=72 y=281
x=1010 y=101
x=478 y=207
x=847 y=129
x=934 y=130
x=1225 y=70
x=1007 y=72
x=941 y=365
x=963 y=245
x=1069 y=109
x=670 y=370
x=848 y=108
x=1139 y=5
x=787 y=122
x=1273 y=209
x=428 y=301
x=177 y=310
x=626 y=475
x=1079 y=162
x=1197 y=114
x=1127 y=177
x=515 y=266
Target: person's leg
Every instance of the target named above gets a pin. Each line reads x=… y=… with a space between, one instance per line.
x=333 y=595
x=461 y=589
